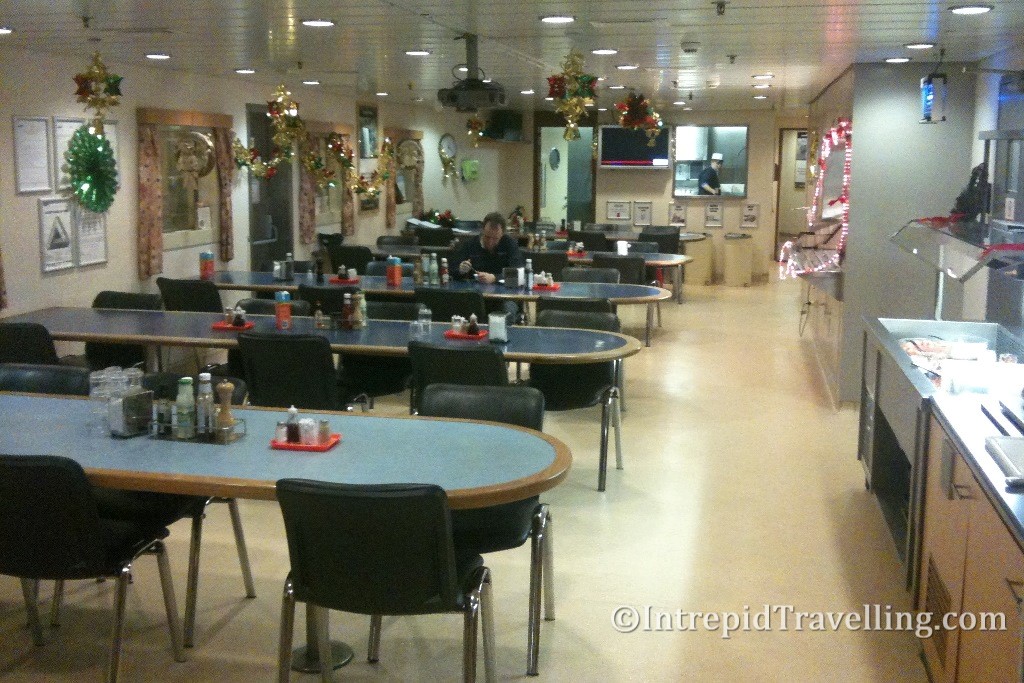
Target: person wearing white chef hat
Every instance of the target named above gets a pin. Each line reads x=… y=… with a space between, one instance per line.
x=707 y=181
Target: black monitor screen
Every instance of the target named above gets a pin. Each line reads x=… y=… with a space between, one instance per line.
x=628 y=148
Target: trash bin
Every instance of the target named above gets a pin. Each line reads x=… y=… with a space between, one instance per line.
x=739 y=259
x=699 y=247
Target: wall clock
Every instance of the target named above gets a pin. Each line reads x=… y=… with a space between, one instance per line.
x=447 y=147
x=408 y=153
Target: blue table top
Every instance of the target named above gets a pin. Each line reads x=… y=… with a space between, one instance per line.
x=476 y=463
x=651 y=259
x=379 y=337
x=617 y=294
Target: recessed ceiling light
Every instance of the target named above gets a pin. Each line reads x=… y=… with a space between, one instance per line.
x=970 y=9
x=318 y=23
x=157 y=56
x=604 y=51
x=311 y=82
x=588 y=104
x=760 y=97
x=417 y=53
x=245 y=72
x=897 y=60
x=601 y=78
x=616 y=87
x=627 y=67
x=602 y=108
x=764 y=77
x=486 y=80
x=687 y=108
x=525 y=92
x=919 y=46
x=679 y=103
x=558 y=19
x=382 y=94
x=550 y=99
x=417 y=99
x=761 y=86
x=463 y=69
x=6 y=30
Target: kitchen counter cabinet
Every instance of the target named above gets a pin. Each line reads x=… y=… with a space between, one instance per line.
x=823 y=307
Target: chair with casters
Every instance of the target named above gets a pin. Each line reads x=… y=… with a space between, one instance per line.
x=201 y=296
x=444 y=303
x=566 y=387
x=381 y=550
x=480 y=365
x=547 y=261
x=254 y=306
x=350 y=256
x=508 y=525
x=99 y=355
x=27 y=343
x=290 y=369
x=374 y=376
x=50 y=529
x=381 y=267
x=33 y=378
x=583 y=304
x=580 y=274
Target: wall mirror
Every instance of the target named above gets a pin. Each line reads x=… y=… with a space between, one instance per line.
x=694 y=147
x=368 y=132
x=191 y=191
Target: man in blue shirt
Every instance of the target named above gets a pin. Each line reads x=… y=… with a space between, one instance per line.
x=487 y=256
x=707 y=181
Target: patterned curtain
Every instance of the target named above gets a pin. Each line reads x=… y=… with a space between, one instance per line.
x=307 y=199
x=151 y=205
x=3 y=287
x=389 y=194
x=225 y=178
x=417 y=193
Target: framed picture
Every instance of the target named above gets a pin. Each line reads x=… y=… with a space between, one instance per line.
x=642 y=213
x=677 y=213
x=56 y=244
x=617 y=210
x=63 y=129
x=32 y=154
x=90 y=237
x=713 y=215
x=204 y=217
x=751 y=215
x=110 y=132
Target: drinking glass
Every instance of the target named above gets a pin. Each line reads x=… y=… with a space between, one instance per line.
x=99 y=394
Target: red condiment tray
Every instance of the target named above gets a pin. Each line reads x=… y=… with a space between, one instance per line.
x=316 y=448
x=575 y=254
x=553 y=287
x=344 y=281
x=222 y=326
x=452 y=334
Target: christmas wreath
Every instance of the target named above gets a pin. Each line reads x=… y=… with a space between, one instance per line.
x=91 y=167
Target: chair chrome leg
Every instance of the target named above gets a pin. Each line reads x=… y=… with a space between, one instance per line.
x=284 y=651
x=620 y=381
x=192 y=582
x=650 y=324
x=373 y=650
x=55 y=602
x=487 y=618
x=548 y=554
x=170 y=602
x=120 y=598
x=323 y=639
x=617 y=417
x=602 y=462
x=243 y=553
x=540 y=585
x=469 y=630
x=29 y=589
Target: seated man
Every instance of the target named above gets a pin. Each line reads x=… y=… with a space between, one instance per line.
x=484 y=258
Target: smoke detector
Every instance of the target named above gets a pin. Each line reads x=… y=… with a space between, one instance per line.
x=689 y=46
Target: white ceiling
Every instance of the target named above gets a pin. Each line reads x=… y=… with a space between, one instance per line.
x=805 y=43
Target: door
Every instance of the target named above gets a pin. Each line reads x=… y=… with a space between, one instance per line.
x=791 y=188
x=270 y=210
x=564 y=172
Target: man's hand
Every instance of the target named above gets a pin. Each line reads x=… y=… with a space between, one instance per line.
x=486 y=278
x=465 y=267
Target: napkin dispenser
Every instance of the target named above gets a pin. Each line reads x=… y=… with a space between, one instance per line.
x=497 y=329
x=622 y=248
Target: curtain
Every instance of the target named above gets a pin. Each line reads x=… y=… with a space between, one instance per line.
x=151 y=204
x=3 y=287
x=389 y=193
x=307 y=198
x=417 y=193
x=225 y=178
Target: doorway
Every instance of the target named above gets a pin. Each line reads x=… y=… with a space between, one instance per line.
x=563 y=172
x=791 y=186
x=270 y=200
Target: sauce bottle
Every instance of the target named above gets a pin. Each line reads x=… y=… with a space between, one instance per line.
x=444 y=271
x=185 y=408
x=346 y=312
x=283 y=310
x=292 y=425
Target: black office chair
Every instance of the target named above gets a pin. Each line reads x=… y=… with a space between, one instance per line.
x=378 y=550
x=50 y=529
x=548 y=261
x=643 y=247
x=331 y=298
x=583 y=304
x=557 y=245
x=434 y=237
x=62 y=380
x=290 y=369
x=385 y=241
x=592 y=241
x=580 y=274
x=255 y=306
x=373 y=376
x=632 y=271
x=668 y=242
x=509 y=525
x=381 y=268
x=566 y=387
x=476 y=365
x=350 y=256
x=201 y=296
x=99 y=355
x=27 y=343
x=444 y=303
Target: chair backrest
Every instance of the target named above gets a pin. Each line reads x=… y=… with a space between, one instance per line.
x=350 y=256
x=547 y=261
x=516 y=405
x=381 y=268
x=49 y=528
x=668 y=242
x=480 y=365
x=468 y=226
x=555 y=304
x=578 y=274
x=398 y=240
x=383 y=549
x=558 y=245
x=632 y=269
x=268 y=306
x=101 y=355
x=434 y=237
x=65 y=380
x=27 y=343
x=444 y=303
x=594 y=241
x=574 y=386
x=329 y=239
x=330 y=298
x=289 y=369
x=643 y=247
x=392 y=310
x=189 y=295
x=660 y=230
x=584 y=320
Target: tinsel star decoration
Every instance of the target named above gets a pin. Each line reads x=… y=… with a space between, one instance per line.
x=638 y=114
x=98 y=90
x=574 y=91
x=475 y=129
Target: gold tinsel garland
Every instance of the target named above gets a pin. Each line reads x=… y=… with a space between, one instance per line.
x=574 y=91
x=343 y=155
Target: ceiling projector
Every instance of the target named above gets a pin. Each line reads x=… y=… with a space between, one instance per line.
x=471 y=93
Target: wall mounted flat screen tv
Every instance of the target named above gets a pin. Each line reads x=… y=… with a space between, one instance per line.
x=620 y=147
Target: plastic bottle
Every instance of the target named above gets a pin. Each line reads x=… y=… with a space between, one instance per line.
x=289 y=261
x=417 y=272
x=185 y=408
x=319 y=270
x=359 y=311
x=425 y=267
x=238 y=319
x=435 y=275
x=529 y=274
x=319 y=319
x=292 y=425
x=346 y=312
x=205 y=413
x=283 y=310
x=444 y=271
x=474 y=327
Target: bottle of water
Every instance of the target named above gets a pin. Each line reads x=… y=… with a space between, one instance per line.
x=185 y=409
x=205 y=411
x=529 y=275
x=435 y=273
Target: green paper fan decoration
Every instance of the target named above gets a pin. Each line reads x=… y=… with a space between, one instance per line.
x=91 y=167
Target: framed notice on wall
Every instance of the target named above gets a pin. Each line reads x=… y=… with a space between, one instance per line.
x=63 y=129
x=617 y=210
x=713 y=215
x=32 y=154
x=677 y=213
x=642 y=213
x=56 y=244
x=751 y=214
x=91 y=237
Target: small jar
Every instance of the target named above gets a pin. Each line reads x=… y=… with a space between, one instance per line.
x=229 y=315
x=281 y=433
x=307 y=431
x=324 y=431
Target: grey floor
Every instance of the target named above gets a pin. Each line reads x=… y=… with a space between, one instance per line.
x=741 y=490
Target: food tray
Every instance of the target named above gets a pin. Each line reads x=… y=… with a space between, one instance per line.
x=554 y=287
x=344 y=281
x=313 y=448
x=452 y=334
x=222 y=326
